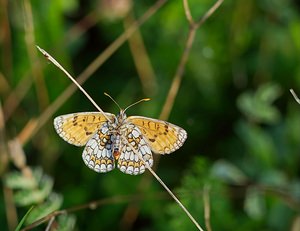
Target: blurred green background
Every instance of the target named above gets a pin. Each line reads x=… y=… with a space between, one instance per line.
x=243 y=146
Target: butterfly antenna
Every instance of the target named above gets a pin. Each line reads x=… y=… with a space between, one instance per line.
x=113 y=100
x=142 y=100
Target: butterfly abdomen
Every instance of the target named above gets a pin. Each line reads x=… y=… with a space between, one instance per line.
x=116 y=146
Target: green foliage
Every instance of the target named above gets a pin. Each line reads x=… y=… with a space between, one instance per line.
x=228 y=172
x=53 y=203
x=255 y=203
x=30 y=191
x=66 y=222
x=16 y=180
x=223 y=215
x=23 y=219
x=36 y=189
x=257 y=106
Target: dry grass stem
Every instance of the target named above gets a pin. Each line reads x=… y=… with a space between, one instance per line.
x=26 y=132
x=94 y=205
x=15 y=97
x=164 y=186
x=208 y=13
x=6 y=39
x=51 y=59
x=141 y=58
x=206 y=202
x=4 y=85
x=181 y=67
x=3 y=146
x=168 y=105
x=10 y=208
x=295 y=96
x=50 y=224
x=46 y=115
x=187 y=12
x=81 y=26
x=17 y=154
x=36 y=69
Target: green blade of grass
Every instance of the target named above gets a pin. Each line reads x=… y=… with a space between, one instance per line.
x=23 y=219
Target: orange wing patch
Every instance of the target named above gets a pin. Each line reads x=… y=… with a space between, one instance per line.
x=78 y=128
x=162 y=137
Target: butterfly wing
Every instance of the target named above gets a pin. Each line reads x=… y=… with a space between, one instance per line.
x=77 y=128
x=97 y=154
x=162 y=137
x=129 y=162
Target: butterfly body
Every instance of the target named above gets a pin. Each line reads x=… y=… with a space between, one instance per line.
x=109 y=139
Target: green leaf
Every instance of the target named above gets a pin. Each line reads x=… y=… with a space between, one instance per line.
x=228 y=172
x=274 y=178
x=23 y=219
x=268 y=93
x=255 y=203
x=53 y=203
x=260 y=145
x=28 y=196
x=66 y=222
x=222 y=216
x=296 y=224
x=16 y=180
x=258 y=106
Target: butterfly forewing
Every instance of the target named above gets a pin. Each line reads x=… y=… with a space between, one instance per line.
x=78 y=128
x=162 y=137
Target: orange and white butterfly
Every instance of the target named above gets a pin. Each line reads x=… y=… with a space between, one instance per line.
x=104 y=139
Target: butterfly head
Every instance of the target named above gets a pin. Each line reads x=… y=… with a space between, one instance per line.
x=121 y=117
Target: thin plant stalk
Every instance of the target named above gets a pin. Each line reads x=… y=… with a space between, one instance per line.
x=51 y=59
x=45 y=116
x=295 y=96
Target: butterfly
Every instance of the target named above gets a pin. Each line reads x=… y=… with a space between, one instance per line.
x=109 y=140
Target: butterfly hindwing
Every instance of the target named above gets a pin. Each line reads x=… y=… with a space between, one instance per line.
x=77 y=128
x=97 y=153
x=163 y=137
x=129 y=162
